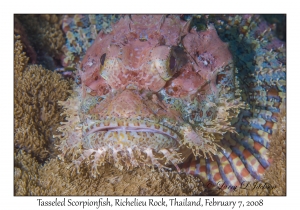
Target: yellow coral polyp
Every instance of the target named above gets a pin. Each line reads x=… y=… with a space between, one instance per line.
x=36 y=92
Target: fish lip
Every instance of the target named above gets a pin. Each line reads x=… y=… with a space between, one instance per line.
x=169 y=132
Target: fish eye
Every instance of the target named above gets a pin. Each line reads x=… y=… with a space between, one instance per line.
x=172 y=63
x=177 y=60
x=102 y=59
x=168 y=61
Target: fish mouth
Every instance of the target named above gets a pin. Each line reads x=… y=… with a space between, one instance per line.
x=119 y=125
x=132 y=142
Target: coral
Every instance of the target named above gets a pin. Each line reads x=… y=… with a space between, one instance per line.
x=20 y=31
x=20 y=58
x=56 y=178
x=36 y=92
x=276 y=174
x=45 y=35
x=25 y=173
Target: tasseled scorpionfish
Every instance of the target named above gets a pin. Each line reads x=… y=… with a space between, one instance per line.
x=156 y=92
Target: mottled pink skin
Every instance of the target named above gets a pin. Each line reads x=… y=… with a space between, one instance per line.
x=137 y=54
x=208 y=52
x=134 y=44
x=91 y=63
x=187 y=83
